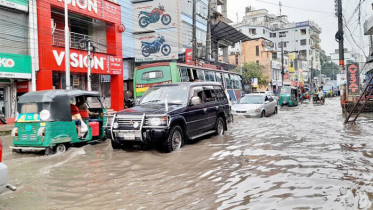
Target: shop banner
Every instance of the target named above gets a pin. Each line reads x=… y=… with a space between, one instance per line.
x=21 y=5
x=153 y=15
x=188 y=55
x=254 y=82
x=22 y=87
x=156 y=46
x=353 y=79
x=100 y=63
x=15 y=66
x=291 y=63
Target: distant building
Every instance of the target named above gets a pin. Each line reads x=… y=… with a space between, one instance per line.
x=350 y=57
x=301 y=37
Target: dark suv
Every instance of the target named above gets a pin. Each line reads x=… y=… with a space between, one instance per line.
x=169 y=115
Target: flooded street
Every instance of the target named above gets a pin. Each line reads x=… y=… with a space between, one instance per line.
x=302 y=158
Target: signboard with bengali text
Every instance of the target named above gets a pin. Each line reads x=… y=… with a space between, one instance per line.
x=353 y=79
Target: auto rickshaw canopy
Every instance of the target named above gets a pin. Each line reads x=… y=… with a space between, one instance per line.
x=57 y=102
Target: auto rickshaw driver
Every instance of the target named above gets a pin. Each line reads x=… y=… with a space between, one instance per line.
x=85 y=113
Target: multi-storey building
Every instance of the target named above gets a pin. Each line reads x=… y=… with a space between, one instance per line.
x=97 y=21
x=18 y=52
x=301 y=37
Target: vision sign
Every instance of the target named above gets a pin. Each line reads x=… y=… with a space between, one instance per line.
x=90 y=5
x=353 y=79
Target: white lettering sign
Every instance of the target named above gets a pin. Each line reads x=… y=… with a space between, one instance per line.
x=6 y=62
x=78 y=61
x=83 y=4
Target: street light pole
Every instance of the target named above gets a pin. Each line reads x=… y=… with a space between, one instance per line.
x=282 y=62
x=67 y=48
x=89 y=88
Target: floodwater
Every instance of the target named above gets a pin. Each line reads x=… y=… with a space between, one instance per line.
x=302 y=158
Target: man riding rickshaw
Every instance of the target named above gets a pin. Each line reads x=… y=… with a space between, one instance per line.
x=53 y=120
x=319 y=96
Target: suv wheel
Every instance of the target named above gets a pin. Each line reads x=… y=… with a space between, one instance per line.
x=115 y=145
x=174 y=141
x=219 y=126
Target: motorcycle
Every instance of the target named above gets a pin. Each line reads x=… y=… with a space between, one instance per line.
x=152 y=17
x=148 y=48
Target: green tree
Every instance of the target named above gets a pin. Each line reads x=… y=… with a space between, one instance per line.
x=253 y=70
x=330 y=69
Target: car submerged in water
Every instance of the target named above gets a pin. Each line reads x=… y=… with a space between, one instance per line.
x=169 y=115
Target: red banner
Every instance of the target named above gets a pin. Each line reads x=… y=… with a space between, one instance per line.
x=353 y=79
x=22 y=87
x=188 y=55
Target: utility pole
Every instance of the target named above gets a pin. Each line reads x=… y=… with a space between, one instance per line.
x=208 y=33
x=311 y=72
x=340 y=34
x=194 y=30
x=241 y=57
x=89 y=88
x=67 y=47
x=282 y=63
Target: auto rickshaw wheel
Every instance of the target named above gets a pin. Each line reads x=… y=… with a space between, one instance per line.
x=60 y=148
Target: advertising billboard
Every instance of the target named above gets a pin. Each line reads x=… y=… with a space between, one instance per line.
x=15 y=66
x=353 y=79
x=291 y=63
x=153 y=15
x=156 y=46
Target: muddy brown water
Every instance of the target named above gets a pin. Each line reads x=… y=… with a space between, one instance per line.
x=302 y=158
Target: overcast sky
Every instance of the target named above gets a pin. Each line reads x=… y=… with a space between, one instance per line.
x=320 y=11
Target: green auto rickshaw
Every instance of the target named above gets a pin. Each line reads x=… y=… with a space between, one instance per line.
x=288 y=96
x=45 y=121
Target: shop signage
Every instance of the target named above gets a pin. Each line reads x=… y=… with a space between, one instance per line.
x=302 y=24
x=15 y=66
x=90 y=5
x=188 y=55
x=353 y=81
x=276 y=65
x=22 y=87
x=291 y=63
x=254 y=82
x=15 y=4
x=78 y=60
x=100 y=63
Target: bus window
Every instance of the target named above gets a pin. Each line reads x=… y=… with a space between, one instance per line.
x=207 y=76
x=239 y=77
x=227 y=81
x=152 y=75
x=235 y=81
x=200 y=75
x=211 y=76
x=184 y=77
x=218 y=78
x=191 y=75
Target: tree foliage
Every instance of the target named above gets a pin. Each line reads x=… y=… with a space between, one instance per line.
x=253 y=70
x=330 y=69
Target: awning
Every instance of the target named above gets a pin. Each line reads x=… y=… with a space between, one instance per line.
x=225 y=32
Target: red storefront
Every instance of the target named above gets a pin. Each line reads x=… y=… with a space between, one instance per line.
x=96 y=20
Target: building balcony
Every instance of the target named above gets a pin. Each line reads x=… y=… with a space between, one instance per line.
x=316 y=46
x=58 y=39
x=315 y=27
x=315 y=37
x=368 y=26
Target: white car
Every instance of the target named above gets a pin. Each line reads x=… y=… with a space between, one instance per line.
x=255 y=105
x=3 y=171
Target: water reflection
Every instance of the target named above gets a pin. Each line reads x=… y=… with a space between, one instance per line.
x=302 y=158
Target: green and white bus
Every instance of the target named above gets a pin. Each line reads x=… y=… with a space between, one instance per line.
x=170 y=72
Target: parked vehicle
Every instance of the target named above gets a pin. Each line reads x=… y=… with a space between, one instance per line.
x=289 y=96
x=45 y=120
x=3 y=171
x=148 y=48
x=152 y=17
x=169 y=115
x=255 y=105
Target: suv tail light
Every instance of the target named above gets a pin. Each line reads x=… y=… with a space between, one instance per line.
x=1 y=150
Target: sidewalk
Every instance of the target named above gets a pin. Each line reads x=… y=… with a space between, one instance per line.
x=6 y=129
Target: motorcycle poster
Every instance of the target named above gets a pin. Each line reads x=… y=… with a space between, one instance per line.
x=153 y=15
x=156 y=46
